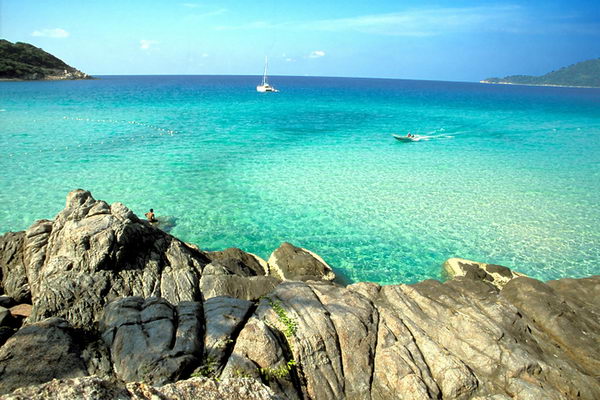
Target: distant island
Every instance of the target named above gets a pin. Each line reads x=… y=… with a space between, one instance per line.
x=23 y=61
x=582 y=74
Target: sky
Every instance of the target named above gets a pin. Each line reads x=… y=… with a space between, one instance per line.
x=450 y=40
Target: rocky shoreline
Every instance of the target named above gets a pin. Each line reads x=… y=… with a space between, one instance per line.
x=99 y=303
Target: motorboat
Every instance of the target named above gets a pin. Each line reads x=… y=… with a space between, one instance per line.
x=412 y=138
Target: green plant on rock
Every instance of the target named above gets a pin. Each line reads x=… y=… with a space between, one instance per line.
x=207 y=370
x=280 y=372
x=241 y=373
x=223 y=343
x=290 y=324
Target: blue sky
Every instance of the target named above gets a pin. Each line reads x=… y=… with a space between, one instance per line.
x=438 y=40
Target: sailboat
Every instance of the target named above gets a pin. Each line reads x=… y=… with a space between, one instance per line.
x=265 y=87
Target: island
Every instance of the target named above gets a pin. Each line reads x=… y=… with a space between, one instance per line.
x=101 y=304
x=582 y=74
x=23 y=61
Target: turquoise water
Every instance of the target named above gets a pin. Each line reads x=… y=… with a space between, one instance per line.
x=509 y=175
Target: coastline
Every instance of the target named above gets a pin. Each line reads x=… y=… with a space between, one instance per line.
x=540 y=84
x=125 y=307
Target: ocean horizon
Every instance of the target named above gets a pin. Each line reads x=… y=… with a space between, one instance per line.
x=504 y=174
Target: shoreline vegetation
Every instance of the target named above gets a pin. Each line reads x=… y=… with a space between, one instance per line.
x=25 y=62
x=491 y=82
x=115 y=307
x=585 y=74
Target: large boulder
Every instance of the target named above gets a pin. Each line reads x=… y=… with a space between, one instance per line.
x=289 y=262
x=239 y=262
x=225 y=317
x=221 y=280
x=39 y=353
x=151 y=340
x=93 y=253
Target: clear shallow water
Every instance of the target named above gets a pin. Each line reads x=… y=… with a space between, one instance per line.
x=510 y=175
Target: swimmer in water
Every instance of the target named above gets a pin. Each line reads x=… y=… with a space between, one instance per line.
x=150 y=216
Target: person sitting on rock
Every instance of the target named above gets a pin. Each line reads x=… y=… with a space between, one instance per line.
x=150 y=216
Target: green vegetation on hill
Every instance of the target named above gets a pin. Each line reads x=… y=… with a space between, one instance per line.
x=585 y=73
x=24 y=61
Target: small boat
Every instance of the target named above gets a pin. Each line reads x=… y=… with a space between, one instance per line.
x=265 y=87
x=412 y=138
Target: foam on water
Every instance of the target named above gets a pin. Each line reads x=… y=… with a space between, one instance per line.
x=504 y=174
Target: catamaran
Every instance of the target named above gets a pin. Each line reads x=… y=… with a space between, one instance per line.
x=265 y=87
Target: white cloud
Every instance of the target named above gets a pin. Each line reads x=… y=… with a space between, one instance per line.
x=414 y=22
x=289 y=59
x=57 y=33
x=427 y=22
x=316 y=54
x=145 y=44
x=204 y=55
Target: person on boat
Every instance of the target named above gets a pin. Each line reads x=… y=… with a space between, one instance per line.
x=150 y=216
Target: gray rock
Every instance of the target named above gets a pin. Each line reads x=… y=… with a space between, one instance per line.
x=262 y=353
x=39 y=353
x=225 y=317
x=289 y=262
x=5 y=317
x=12 y=267
x=5 y=333
x=245 y=288
x=93 y=253
x=151 y=340
x=239 y=262
x=96 y=388
x=559 y=328
x=7 y=301
x=496 y=275
x=88 y=388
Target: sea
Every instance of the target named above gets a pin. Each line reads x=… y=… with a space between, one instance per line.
x=502 y=174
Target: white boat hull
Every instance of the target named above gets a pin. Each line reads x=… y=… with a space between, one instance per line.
x=406 y=138
x=265 y=88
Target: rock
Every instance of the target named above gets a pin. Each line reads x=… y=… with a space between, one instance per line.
x=95 y=388
x=93 y=253
x=12 y=267
x=151 y=340
x=225 y=317
x=261 y=353
x=496 y=275
x=486 y=334
x=7 y=302
x=39 y=353
x=561 y=329
x=21 y=310
x=5 y=333
x=239 y=262
x=5 y=317
x=245 y=288
x=206 y=389
x=88 y=388
x=289 y=262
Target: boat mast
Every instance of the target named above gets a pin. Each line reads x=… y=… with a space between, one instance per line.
x=264 y=82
